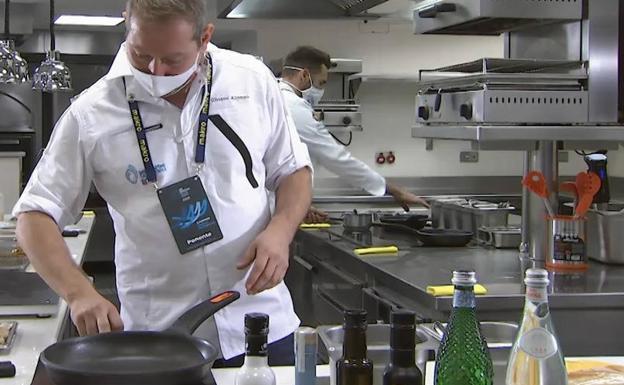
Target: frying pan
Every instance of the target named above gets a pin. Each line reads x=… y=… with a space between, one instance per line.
x=444 y=237
x=414 y=221
x=171 y=357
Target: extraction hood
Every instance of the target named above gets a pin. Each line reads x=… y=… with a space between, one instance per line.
x=296 y=9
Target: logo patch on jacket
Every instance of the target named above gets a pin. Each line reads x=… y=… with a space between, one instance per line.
x=133 y=174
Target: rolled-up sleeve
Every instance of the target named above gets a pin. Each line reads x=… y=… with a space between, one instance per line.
x=286 y=153
x=60 y=183
x=325 y=151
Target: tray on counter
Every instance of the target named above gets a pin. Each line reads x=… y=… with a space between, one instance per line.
x=10 y=329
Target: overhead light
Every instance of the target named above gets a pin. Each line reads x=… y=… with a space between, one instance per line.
x=52 y=75
x=96 y=21
x=13 y=69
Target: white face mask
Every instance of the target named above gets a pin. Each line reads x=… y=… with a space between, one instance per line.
x=159 y=86
x=312 y=95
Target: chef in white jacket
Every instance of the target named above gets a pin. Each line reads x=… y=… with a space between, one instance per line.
x=184 y=141
x=304 y=76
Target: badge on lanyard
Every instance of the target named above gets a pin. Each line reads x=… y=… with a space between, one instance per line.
x=185 y=204
x=190 y=215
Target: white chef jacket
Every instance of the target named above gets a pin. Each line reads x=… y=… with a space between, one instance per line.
x=325 y=151
x=95 y=141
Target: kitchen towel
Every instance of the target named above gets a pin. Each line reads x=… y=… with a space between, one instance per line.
x=447 y=290
x=376 y=250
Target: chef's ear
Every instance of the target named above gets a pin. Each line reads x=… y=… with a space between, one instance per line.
x=206 y=35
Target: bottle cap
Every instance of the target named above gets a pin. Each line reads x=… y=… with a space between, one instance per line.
x=464 y=278
x=403 y=317
x=536 y=277
x=355 y=318
x=256 y=323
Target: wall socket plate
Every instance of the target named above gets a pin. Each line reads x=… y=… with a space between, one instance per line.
x=564 y=157
x=469 y=157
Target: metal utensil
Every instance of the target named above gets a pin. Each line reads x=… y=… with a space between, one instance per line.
x=588 y=185
x=535 y=181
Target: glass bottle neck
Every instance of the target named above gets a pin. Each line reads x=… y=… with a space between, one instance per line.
x=354 y=347
x=536 y=294
x=256 y=361
x=256 y=345
x=464 y=297
x=403 y=358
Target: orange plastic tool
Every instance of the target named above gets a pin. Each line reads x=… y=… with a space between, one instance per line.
x=588 y=184
x=535 y=181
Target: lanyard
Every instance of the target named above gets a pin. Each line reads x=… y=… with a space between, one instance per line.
x=204 y=117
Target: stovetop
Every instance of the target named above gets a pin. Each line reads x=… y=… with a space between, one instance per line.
x=41 y=377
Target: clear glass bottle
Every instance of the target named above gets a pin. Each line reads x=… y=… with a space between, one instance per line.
x=256 y=370
x=536 y=357
x=354 y=368
x=463 y=357
x=402 y=369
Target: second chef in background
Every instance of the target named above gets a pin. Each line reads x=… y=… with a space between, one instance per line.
x=304 y=77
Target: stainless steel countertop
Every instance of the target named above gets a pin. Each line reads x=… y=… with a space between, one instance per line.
x=500 y=271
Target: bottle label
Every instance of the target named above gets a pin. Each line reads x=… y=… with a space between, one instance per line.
x=538 y=343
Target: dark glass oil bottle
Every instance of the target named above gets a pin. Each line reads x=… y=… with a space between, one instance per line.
x=402 y=369
x=354 y=368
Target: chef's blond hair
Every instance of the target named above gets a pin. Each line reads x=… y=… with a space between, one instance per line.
x=192 y=10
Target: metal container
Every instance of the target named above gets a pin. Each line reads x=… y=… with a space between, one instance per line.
x=566 y=247
x=508 y=237
x=460 y=214
x=357 y=221
x=378 y=342
x=8 y=331
x=605 y=242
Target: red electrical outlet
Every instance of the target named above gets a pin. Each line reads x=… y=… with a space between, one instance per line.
x=390 y=158
x=381 y=158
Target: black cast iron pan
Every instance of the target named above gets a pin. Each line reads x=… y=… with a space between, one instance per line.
x=444 y=237
x=171 y=357
x=414 y=221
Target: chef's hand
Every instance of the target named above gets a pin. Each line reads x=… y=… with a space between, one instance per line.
x=93 y=314
x=316 y=216
x=269 y=254
x=404 y=197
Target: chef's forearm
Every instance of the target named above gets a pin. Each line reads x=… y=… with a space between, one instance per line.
x=293 y=199
x=41 y=240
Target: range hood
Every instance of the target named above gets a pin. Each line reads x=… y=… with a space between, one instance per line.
x=295 y=9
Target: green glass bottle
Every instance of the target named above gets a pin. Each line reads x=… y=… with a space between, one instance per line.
x=463 y=357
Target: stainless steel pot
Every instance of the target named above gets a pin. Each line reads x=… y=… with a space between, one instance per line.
x=604 y=234
x=357 y=221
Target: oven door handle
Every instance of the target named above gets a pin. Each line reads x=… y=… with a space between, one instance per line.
x=303 y=263
x=9 y=142
x=432 y=12
x=333 y=302
x=339 y=273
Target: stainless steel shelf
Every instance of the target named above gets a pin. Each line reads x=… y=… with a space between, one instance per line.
x=484 y=133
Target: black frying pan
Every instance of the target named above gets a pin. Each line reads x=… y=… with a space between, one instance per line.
x=444 y=237
x=171 y=357
x=414 y=221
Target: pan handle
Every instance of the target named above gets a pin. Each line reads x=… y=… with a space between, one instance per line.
x=192 y=318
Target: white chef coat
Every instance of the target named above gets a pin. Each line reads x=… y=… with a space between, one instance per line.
x=325 y=151
x=95 y=141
